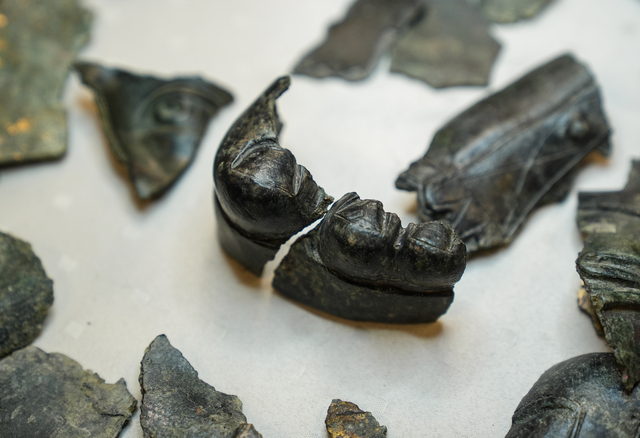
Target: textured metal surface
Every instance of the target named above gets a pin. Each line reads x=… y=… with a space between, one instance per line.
x=508 y=11
x=609 y=265
x=489 y=167
x=347 y=420
x=39 y=40
x=50 y=395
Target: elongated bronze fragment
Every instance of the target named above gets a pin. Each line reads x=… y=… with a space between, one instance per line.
x=360 y=264
x=263 y=196
x=347 y=420
x=451 y=46
x=508 y=11
x=582 y=397
x=353 y=47
x=609 y=265
x=489 y=167
x=177 y=404
x=39 y=40
x=154 y=125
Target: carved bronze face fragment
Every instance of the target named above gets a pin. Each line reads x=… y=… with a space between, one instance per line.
x=154 y=126
x=609 y=265
x=263 y=196
x=360 y=264
x=489 y=167
x=582 y=397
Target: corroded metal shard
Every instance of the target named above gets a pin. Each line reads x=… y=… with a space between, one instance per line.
x=263 y=196
x=347 y=420
x=38 y=43
x=508 y=11
x=489 y=167
x=353 y=47
x=451 y=46
x=154 y=125
x=176 y=403
x=50 y=395
x=26 y=293
x=609 y=265
x=360 y=264
x=582 y=397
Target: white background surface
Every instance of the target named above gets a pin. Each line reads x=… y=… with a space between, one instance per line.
x=124 y=274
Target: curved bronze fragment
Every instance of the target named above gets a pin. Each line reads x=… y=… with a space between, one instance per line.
x=609 y=265
x=581 y=397
x=347 y=420
x=263 y=196
x=154 y=125
x=354 y=46
x=360 y=264
x=489 y=167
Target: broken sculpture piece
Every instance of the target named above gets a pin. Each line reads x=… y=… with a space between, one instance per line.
x=50 y=395
x=154 y=126
x=347 y=420
x=609 y=265
x=263 y=196
x=360 y=264
x=176 y=403
x=354 y=46
x=26 y=293
x=508 y=11
x=451 y=46
x=489 y=167
x=582 y=397
x=38 y=44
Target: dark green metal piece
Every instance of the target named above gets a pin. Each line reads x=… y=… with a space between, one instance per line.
x=360 y=264
x=582 y=397
x=347 y=420
x=263 y=196
x=609 y=265
x=354 y=46
x=39 y=40
x=50 y=395
x=451 y=46
x=508 y=11
x=154 y=126
x=488 y=168
x=177 y=404
x=26 y=293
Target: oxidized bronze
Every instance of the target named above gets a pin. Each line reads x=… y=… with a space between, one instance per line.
x=508 y=11
x=582 y=397
x=489 y=167
x=39 y=40
x=154 y=126
x=26 y=293
x=347 y=420
x=354 y=46
x=360 y=264
x=609 y=265
x=451 y=46
x=263 y=197
x=176 y=403
x=50 y=395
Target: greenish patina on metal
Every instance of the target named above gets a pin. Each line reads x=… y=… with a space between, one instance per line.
x=50 y=395
x=609 y=265
x=347 y=420
x=26 y=294
x=39 y=40
x=508 y=11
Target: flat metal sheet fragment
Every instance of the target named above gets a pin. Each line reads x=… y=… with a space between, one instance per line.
x=359 y=263
x=39 y=40
x=609 y=265
x=26 y=293
x=154 y=126
x=263 y=196
x=489 y=167
x=508 y=11
x=581 y=397
x=50 y=395
x=451 y=46
x=347 y=420
x=353 y=47
x=176 y=403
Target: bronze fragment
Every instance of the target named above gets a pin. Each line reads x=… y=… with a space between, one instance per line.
x=347 y=420
x=508 y=11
